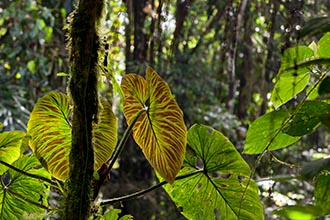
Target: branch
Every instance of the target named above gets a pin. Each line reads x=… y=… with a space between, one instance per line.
x=144 y=191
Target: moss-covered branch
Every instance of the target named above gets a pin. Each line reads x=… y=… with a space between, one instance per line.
x=84 y=45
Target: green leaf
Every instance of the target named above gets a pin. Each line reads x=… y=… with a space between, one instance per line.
x=50 y=130
x=10 y=147
x=105 y=135
x=265 y=133
x=291 y=79
x=220 y=189
x=62 y=74
x=322 y=191
x=307 y=212
x=31 y=66
x=160 y=130
x=287 y=87
x=23 y=197
x=113 y=214
x=312 y=91
x=312 y=169
x=323 y=50
x=307 y=119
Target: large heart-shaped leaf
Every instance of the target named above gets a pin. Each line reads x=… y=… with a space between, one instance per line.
x=222 y=190
x=23 y=197
x=160 y=131
x=10 y=147
x=50 y=130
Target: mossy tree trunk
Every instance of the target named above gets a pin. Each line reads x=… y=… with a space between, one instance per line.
x=84 y=45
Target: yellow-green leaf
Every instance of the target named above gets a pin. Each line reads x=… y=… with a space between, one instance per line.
x=50 y=130
x=105 y=135
x=160 y=131
x=10 y=147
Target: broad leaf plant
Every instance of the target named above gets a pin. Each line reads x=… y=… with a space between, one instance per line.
x=199 y=168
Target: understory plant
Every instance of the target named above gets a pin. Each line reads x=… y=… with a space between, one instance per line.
x=199 y=168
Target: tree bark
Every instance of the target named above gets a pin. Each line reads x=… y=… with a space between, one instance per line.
x=84 y=45
x=237 y=23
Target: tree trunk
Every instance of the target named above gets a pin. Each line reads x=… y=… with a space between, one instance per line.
x=84 y=45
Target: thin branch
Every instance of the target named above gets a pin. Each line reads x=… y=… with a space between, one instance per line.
x=116 y=153
x=124 y=139
x=144 y=191
x=51 y=182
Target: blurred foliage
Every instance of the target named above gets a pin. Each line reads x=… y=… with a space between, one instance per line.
x=32 y=51
x=190 y=43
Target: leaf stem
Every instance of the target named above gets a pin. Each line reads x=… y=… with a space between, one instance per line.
x=116 y=153
x=144 y=191
x=123 y=140
x=51 y=182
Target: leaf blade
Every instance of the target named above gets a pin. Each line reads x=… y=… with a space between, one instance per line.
x=160 y=131
x=13 y=204
x=10 y=147
x=220 y=187
x=265 y=133
x=50 y=130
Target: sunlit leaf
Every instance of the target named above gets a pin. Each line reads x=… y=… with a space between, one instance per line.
x=307 y=212
x=10 y=147
x=113 y=214
x=50 y=130
x=291 y=81
x=307 y=119
x=222 y=190
x=31 y=65
x=23 y=197
x=265 y=133
x=160 y=131
x=105 y=135
x=323 y=50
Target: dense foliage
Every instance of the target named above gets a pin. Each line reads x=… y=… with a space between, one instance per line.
x=256 y=71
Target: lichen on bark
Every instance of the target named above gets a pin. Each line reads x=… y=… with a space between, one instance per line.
x=83 y=45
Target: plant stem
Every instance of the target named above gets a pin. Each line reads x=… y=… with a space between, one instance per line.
x=144 y=191
x=124 y=139
x=116 y=153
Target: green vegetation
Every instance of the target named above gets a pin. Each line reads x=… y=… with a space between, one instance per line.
x=233 y=125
